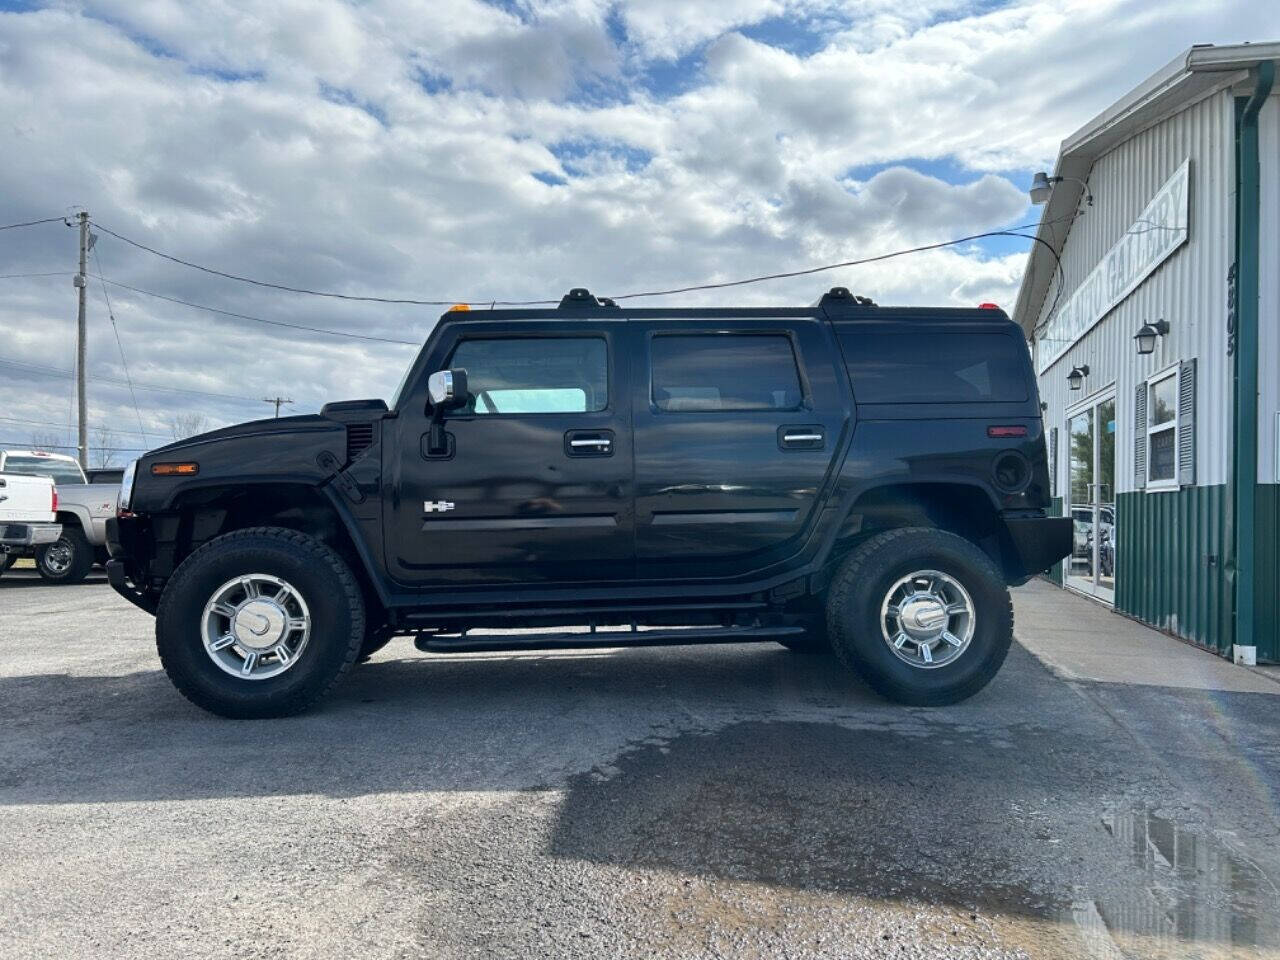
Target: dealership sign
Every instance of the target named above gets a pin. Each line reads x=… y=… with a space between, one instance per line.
x=1160 y=230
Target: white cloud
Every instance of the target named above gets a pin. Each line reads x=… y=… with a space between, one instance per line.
x=390 y=147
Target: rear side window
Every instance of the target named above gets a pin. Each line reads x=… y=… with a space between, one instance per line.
x=535 y=375
x=724 y=372
x=935 y=367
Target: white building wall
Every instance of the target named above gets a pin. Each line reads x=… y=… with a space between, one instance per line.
x=1189 y=289
x=1269 y=294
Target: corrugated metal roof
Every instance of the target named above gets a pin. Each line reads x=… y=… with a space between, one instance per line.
x=1192 y=75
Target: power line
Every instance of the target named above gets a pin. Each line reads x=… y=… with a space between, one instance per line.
x=41 y=368
x=245 y=316
x=313 y=293
x=833 y=266
x=1011 y=232
x=32 y=223
x=53 y=423
x=123 y=362
x=69 y=446
x=20 y=276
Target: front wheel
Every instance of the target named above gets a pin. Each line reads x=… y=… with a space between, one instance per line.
x=260 y=622
x=922 y=614
x=68 y=559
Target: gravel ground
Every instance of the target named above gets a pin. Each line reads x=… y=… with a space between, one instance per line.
x=684 y=802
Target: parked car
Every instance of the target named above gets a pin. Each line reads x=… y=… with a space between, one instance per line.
x=841 y=478
x=83 y=509
x=28 y=511
x=105 y=474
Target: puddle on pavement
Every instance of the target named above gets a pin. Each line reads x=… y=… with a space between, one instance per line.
x=1195 y=898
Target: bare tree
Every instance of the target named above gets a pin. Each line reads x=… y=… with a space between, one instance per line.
x=185 y=425
x=103 y=447
x=46 y=440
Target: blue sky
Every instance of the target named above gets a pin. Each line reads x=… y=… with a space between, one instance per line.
x=467 y=150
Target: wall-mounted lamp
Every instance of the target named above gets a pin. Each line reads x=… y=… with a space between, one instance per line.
x=1042 y=187
x=1075 y=379
x=1147 y=336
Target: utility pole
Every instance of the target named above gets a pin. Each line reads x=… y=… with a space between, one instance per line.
x=82 y=418
x=277 y=401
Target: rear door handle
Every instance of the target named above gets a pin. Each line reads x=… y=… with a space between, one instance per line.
x=806 y=437
x=589 y=443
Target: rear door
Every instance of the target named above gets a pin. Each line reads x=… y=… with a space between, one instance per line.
x=737 y=426
x=536 y=485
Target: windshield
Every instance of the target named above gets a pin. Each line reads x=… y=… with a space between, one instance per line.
x=62 y=471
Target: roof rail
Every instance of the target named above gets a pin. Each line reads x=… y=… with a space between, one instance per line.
x=580 y=297
x=840 y=296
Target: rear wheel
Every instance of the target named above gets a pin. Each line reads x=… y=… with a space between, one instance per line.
x=7 y=560
x=922 y=614
x=259 y=623
x=68 y=559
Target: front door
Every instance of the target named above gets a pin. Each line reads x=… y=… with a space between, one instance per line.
x=534 y=483
x=1092 y=499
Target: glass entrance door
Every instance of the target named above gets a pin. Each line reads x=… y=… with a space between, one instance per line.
x=1092 y=499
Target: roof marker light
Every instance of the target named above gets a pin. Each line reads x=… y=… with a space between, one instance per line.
x=988 y=306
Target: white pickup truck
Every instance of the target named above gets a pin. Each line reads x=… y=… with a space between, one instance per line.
x=28 y=506
x=83 y=509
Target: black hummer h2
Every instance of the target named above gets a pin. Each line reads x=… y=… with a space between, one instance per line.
x=841 y=478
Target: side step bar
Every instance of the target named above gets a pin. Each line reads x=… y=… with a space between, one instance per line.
x=478 y=642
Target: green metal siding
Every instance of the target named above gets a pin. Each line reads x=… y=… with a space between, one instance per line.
x=1266 y=580
x=1171 y=555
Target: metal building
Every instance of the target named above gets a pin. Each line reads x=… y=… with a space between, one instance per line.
x=1153 y=309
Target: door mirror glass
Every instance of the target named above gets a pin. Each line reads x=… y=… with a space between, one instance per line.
x=448 y=388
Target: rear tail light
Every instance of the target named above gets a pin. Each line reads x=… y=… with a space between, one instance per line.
x=1014 y=430
x=53 y=508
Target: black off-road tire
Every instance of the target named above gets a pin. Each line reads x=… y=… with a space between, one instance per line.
x=318 y=573
x=854 y=611
x=79 y=564
x=7 y=560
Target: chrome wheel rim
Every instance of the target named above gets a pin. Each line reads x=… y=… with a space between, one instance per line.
x=255 y=627
x=57 y=559
x=927 y=619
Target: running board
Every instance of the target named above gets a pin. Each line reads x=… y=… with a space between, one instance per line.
x=478 y=642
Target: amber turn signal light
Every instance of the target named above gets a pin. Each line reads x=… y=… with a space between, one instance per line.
x=174 y=469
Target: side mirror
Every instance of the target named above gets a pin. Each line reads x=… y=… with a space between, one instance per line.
x=447 y=388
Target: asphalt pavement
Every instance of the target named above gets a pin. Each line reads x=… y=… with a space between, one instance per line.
x=738 y=801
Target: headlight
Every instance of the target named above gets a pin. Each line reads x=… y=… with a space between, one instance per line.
x=126 y=486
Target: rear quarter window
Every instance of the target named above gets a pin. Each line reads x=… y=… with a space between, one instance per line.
x=929 y=366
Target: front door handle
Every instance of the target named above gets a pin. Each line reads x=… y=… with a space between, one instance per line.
x=589 y=443
x=807 y=437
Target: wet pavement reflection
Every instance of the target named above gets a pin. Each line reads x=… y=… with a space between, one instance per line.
x=1194 y=897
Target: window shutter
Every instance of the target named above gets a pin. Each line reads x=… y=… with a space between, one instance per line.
x=1053 y=462
x=1140 y=437
x=1187 y=423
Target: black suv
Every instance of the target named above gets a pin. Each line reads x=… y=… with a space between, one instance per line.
x=841 y=478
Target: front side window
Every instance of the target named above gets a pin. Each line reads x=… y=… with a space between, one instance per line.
x=535 y=375
x=724 y=372
x=1162 y=429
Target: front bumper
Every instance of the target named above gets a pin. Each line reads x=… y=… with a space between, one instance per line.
x=29 y=534
x=124 y=571
x=1036 y=544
